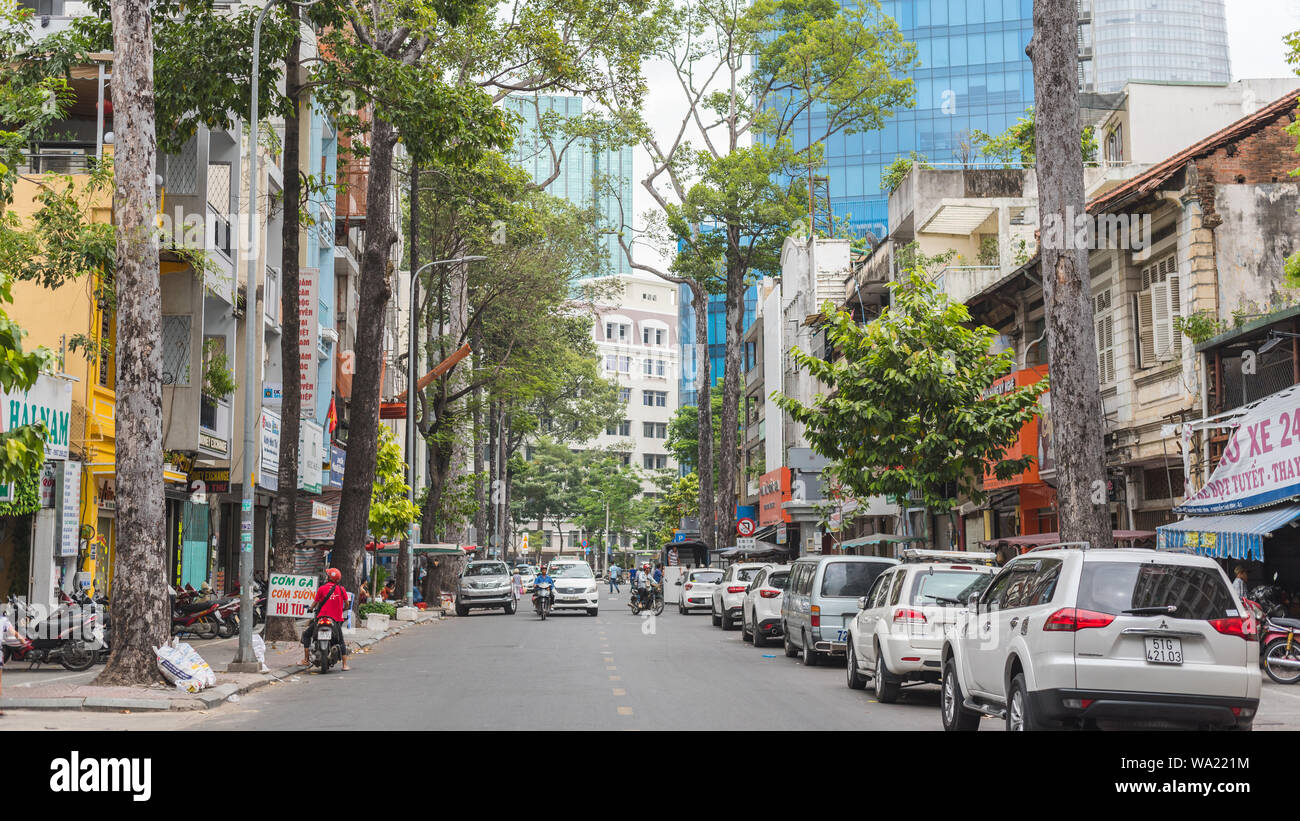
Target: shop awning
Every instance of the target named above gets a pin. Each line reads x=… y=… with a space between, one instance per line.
x=1230 y=536
x=424 y=550
x=1040 y=539
x=880 y=538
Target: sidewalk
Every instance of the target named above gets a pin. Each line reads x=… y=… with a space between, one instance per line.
x=34 y=690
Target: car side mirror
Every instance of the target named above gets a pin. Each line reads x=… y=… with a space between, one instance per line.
x=862 y=602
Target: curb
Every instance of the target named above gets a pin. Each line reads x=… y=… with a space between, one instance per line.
x=203 y=700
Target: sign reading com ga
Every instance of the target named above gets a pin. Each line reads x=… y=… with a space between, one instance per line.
x=291 y=596
x=1261 y=464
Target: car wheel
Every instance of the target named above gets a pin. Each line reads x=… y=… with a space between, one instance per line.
x=591 y=611
x=510 y=609
x=887 y=686
x=809 y=654
x=951 y=702
x=681 y=608
x=856 y=680
x=757 y=634
x=727 y=623
x=790 y=650
x=1020 y=717
x=745 y=635
x=461 y=610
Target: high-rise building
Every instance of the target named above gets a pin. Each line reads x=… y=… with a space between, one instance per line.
x=586 y=175
x=1166 y=41
x=717 y=337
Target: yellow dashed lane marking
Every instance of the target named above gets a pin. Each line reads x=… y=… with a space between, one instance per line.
x=625 y=711
x=618 y=691
x=615 y=678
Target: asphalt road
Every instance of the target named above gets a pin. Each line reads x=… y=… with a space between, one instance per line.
x=575 y=672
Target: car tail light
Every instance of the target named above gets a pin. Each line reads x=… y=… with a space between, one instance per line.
x=816 y=616
x=769 y=594
x=1069 y=619
x=903 y=614
x=737 y=588
x=689 y=585
x=960 y=567
x=1241 y=626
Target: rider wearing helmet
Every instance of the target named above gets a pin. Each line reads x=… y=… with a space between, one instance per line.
x=643 y=582
x=331 y=603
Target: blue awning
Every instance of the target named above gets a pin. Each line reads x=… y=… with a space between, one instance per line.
x=1230 y=536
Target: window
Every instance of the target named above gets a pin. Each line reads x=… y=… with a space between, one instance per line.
x=616 y=331
x=653 y=336
x=878 y=592
x=1115 y=145
x=850 y=579
x=1196 y=592
x=896 y=587
x=623 y=428
x=654 y=399
x=620 y=364
x=1105 y=319
x=625 y=394
x=1157 y=308
x=654 y=430
x=1024 y=583
x=655 y=461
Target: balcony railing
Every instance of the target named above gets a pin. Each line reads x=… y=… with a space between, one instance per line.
x=220 y=238
x=58 y=161
x=961 y=282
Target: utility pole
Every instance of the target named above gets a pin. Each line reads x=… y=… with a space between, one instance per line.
x=1067 y=288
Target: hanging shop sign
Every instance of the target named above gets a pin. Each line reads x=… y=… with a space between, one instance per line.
x=69 y=539
x=308 y=333
x=48 y=401
x=290 y=595
x=269 y=477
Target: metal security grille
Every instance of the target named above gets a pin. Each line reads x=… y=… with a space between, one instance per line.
x=219 y=187
x=176 y=350
x=182 y=172
x=1273 y=372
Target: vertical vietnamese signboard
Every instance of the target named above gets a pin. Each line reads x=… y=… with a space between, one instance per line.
x=269 y=476
x=311 y=454
x=68 y=543
x=308 y=332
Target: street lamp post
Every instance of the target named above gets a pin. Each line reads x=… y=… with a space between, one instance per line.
x=413 y=323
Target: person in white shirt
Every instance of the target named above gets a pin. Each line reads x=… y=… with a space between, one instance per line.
x=8 y=635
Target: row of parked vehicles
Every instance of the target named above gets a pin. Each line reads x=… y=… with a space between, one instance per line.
x=1061 y=636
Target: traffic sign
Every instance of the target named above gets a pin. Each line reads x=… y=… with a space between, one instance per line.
x=525 y=540
x=746 y=527
x=746 y=542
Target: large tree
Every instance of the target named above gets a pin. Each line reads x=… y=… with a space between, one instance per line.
x=140 y=615
x=749 y=73
x=1078 y=419
x=905 y=409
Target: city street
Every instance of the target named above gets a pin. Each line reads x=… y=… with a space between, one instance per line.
x=489 y=671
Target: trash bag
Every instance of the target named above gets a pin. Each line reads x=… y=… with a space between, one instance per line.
x=259 y=650
x=181 y=663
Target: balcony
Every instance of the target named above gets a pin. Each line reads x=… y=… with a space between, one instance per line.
x=58 y=160
x=961 y=282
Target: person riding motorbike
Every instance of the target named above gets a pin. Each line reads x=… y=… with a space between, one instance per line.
x=331 y=602
x=644 y=584
x=542 y=578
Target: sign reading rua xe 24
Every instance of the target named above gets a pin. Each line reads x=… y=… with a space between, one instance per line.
x=48 y=401
x=1261 y=464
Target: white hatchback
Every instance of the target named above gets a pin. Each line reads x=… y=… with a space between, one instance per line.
x=698 y=587
x=760 y=613
x=730 y=594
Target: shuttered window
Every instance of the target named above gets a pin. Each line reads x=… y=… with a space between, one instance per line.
x=1105 y=319
x=1158 y=306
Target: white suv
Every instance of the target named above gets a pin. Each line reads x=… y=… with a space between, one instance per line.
x=1068 y=635
x=902 y=621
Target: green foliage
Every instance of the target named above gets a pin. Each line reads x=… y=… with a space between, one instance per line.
x=905 y=408
x=218 y=378
x=680 y=499
x=1017 y=146
x=684 y=431
x=1200 y=326
x=391 y=513
x=988 y=252
x=27 y=495
x=897 y=170
x=383 y=608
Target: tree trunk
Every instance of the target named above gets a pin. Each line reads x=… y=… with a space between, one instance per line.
x=505 y=488
x=376 y=290
x=729 y=451
x=704 y=405
x=480 y=451
x=1067 y=290
x=284 y=509
x=455 y=381
x=140 y=613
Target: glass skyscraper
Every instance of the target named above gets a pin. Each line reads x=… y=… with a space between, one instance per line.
x=717 y=337
x=973 y=75
x=580 y=167
x=1169 y=41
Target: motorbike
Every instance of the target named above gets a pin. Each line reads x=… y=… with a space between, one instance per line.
x=655 y=602
x=69 y=636
x=196 y=616
x=228 y=611
x=543 y=598
x=324 y=652
x=1280 y=655
x=1271 y=598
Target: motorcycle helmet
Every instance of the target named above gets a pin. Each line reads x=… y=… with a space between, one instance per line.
x=333 y=575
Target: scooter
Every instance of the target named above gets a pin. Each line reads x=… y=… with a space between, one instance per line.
x=655 y=602
x=200 y=618
x=69 y=637
x=543 y=598
x=324 y=652
x=1281 y=653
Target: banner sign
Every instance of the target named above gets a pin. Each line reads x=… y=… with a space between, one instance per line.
x=291 y=596
x=69 y=543
x=1261 y=464
x=338 y=460
x=48 y=401
x=308 y=330
x=269 y=476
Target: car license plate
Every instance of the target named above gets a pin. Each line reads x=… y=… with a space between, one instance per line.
x=1165 y=651
x=842 y=635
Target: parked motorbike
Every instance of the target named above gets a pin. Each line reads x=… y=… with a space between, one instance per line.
x=543 y=598
x=1271 y=598
x=228 y=612
x=324 y=652
x=196 y=616
x=68 y=636
x=1281 y=653
x=653 y=599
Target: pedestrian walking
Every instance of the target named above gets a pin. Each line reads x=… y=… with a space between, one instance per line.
x=517 y=585
x=613 y=578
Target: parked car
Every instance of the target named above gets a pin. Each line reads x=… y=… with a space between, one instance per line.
x=730 y=593
x=821 y=599
x=698 y=587
x=760 y=613
x=1068 y=635
x=901 y=622
x=485 y=584
x=575 y=587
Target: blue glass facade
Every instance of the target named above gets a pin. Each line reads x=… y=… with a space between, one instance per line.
x=689 y=390
x=973 y=75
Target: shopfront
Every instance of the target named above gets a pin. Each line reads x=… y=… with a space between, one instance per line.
x=1024 y=504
